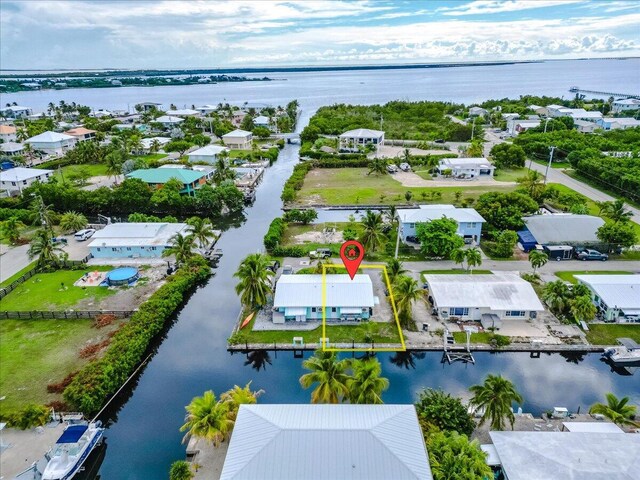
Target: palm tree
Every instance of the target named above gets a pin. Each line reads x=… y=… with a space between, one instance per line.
x=10 y=229
x=556 y=295
x=366 y=385
x=616 y=410
x=42 y=246
x=617 y=211
x=22 y=135
x=207 y=418
x=371 y=237
x=395 y=269
x=255 y=280
x=181 y=246
x=391 y=215
x=114 y=164
x=223 y=171
x=202 y=230
x=532 y=183
x=239 y=396
x=582 y=308
x=377 y=166
x=72 y=222
x=458 y=256
x=406 y=155
x=330 y=375
x=495 y=396
x=406 y=292
x=155 y=146
x=538 y=259
x=474 y=258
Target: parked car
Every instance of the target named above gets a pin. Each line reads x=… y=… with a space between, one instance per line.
x=274 y=266
x=83 y=235
x=392 y=168
x=320 y=253
x=587 y=254
x=412 y=239
x=439 y=140
x=405 y=167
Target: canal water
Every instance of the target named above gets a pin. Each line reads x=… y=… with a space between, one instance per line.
x=190 y=357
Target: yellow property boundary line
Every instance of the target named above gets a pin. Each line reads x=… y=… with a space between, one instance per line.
x=324 y=314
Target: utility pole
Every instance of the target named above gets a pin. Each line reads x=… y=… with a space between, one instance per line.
x=545 y=124
x=473 y=127
x=381 y=120
x=546 y=173
x=398 y=239
x=41 y=209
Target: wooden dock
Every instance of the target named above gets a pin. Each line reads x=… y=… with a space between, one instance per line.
x=579 y=90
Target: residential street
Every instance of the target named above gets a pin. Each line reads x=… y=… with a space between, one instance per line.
x=12 y=260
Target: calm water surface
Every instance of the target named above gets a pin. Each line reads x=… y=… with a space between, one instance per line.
x=143 y=436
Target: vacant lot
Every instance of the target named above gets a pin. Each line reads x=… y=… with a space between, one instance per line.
x=36 y=353
x=352 y=186
x=570 y=276
x=602 y=334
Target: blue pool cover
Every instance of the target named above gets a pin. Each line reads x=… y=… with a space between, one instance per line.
x=72 y=434
x=122 y=273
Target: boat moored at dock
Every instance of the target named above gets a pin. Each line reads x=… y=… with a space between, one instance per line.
x=71 y=450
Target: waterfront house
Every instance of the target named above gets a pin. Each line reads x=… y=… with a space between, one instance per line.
x=611 y=123
x=356 y=140
x=207 y=109
x=486 y=298
x=134 y=240
x=169 y=121
x=81 y=133
x=237 y=117
x=623 y=104
x=156 y=177
x=538 y=109
x=148 y=106
x=208 y=153
x=52 y=143
x=299 y=298
x=560 y=229
x=515 y=127
x=510 y=116
x=477 y=112
x=148 y=142
x=184 y=112
x=584 y=126
x=586 y=454
x=19 y=178
x=262 y=121
x=466 y=167
x=101 y=113
x=207 y=170
x=238 y=140
x=469 y=221
x=617 y=297
x=11 y=149
x=15 y=111
x=558 y=111
x=320 y=442
x=116 y=83
x=8 y=133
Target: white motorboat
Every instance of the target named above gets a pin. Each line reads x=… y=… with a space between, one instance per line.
x=71 y=450
x=623 y=355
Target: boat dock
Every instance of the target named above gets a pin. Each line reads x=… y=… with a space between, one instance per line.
x=583 y=91
x=22 y=449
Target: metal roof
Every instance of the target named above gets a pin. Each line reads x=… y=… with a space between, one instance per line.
x=619 y=291
x=237 y=133
x=147 y=142
x=163 y=175
x=209 y=150
x=169 y=119
x=19 y=174
x=568 y=455
x=362 y=133
x=426 y=213
x=326 y=442
x=137 y=234
x=50 y=137
x=306 y=291
x=11 y=147
x=592 y=427
x=563 y=227
x=503 y=291
x=478 y=162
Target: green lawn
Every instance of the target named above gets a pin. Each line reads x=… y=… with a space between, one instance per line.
x=598 y=186
x=14 y=277
x=151 y=156
x=34 y=353
x=352 y=186
x=480 y=337
x=509 y=174
x=553 y=164
x=94 y=170
x=569 y=276
x=43 y=291
x=424 y=174
x=606 y=334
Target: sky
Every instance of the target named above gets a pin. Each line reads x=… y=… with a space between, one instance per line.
x=75 y=34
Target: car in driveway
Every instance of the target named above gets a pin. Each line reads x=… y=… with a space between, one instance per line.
x=320 y=253
x=392 y=168
x=588 y=254
x=83 y=235
x=405 y=167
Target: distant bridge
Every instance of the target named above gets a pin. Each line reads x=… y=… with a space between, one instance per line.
x=582 y=91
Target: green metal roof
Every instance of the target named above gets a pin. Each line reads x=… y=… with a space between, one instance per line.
x=163 y=175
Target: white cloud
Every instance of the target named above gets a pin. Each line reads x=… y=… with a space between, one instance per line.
x=484 y=7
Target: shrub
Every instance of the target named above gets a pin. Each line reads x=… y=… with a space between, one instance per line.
x=180 y=470
x=60 y=386
x=289 y=251
x=296 y=180
x=103 y=320
x=499 y=340
x=29 y=417
x=444 y=411
x=274 y=234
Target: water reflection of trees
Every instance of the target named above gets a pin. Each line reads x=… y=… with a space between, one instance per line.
x=406 y=359
x=258 y=359
x=573 y=357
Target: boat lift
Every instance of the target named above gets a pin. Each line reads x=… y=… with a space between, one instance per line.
x=451 y=355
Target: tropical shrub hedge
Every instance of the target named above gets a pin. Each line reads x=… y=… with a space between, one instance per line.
x=101 y=378
x=295 y=181
x=30 y=416
x=290 y=251
x=275 y=233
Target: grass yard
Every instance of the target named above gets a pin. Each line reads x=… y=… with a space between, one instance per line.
x=94 y=170
x=553 y=164
x=43 y=291
x=606 y=334
x=598 y=186
x=151 y=157
x=569 y=276
x=424 y=174
x=35 y=353
x=352 y=186
x=509 y=174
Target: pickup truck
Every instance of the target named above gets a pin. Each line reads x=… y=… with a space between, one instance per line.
x=320 y=253
x=587 y=254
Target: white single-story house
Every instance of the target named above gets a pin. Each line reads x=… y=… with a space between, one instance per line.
x=52 y=143
x=584 y=455
x=116 y=83
x=16 y=111
x=262 y=121
x=616 y=296
x=19 y=178
x=558 y=111
x=148 y=142
x=356 y=140
x=584 y=126
x=169 y=121
x=238 y=140
x=611 y=123
x=81 y=133
x=184 y=112
x=134 y=240
x=582 y=114
x=466 y=167
x=208 y=153
x=487 y=298
x=561 y=229
x=515 y=127
x=148 y=106
x=322 y=442
x=477 y=112
x=469 y=221
x=101 y=113
x=299 y=298
x=538 y=109
x=510 y=116
x=207 y=109
x=11 y=148
x=8 y=133
x=623 y=104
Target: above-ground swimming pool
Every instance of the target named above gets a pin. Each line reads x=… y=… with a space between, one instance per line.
x=122 y=276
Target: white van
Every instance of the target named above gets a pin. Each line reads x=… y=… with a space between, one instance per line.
x=82 y=235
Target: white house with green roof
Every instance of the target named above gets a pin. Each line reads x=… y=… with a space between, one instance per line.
x=157 y=177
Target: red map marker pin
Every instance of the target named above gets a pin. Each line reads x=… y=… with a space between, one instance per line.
x=352 y=253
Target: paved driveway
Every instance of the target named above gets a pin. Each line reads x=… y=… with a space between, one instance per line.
x=12 y=260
